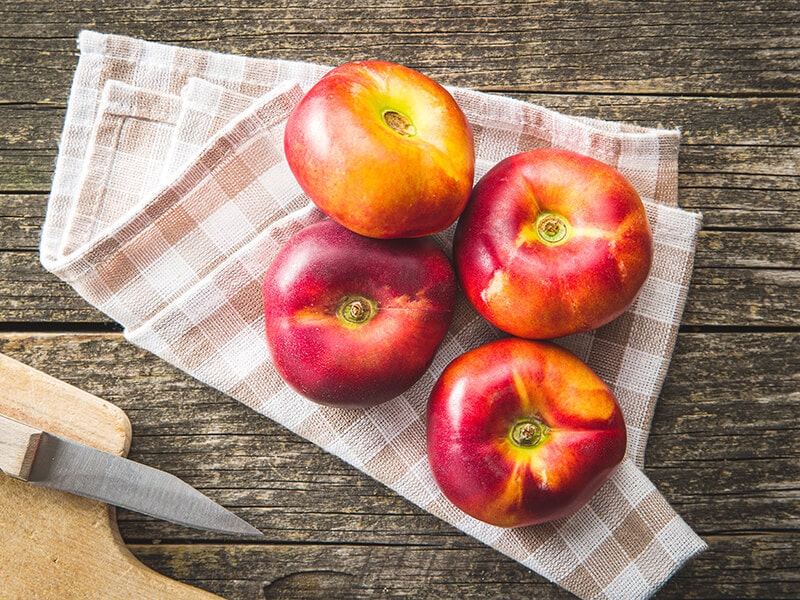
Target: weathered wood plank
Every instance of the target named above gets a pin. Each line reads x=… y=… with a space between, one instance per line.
x=28 y=293
x=723 y=444
x=748 y=177
x=751 y=203
x=293 y=490
x=704 y=121
x=21 y=218
x=356 y=571
x=753 y=282
x=709 y=371
x=759 y=565
x=737 y=297
x=748 y=250
x=35 y=125
x=646 y=47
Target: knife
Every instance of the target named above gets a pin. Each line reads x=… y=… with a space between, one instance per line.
x=47 y=460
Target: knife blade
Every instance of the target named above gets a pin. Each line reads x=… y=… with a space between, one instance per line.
x=47 y=460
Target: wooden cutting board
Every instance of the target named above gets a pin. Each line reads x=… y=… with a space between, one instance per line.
x=54 y=544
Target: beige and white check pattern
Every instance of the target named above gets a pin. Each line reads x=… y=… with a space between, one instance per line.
x=171 y=195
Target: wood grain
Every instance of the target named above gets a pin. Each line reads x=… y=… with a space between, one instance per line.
x=18 y=445
x=648 y=47
x=57 y=544
x=294 y=491
x=723 y=444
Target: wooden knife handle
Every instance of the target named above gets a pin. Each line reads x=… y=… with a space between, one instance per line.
x=18 y=446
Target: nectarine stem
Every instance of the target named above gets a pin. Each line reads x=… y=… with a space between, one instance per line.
x=356 y=310
x=528 y=433
x=399 y=123
x=552 y=228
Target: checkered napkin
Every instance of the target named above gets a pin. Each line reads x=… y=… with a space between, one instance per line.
x=171 y=195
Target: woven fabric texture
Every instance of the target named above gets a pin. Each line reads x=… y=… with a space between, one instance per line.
x=171 y=195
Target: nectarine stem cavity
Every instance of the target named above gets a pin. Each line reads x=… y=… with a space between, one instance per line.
x=552 y=228
x=356 y=310
x=528 y=433
x=399 y=123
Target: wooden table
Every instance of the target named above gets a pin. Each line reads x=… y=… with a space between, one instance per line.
x=724 y=445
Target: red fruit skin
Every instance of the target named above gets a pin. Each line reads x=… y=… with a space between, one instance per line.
x=331 y=362
x=476 y=402
x=364 y=174
x=533 y=289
